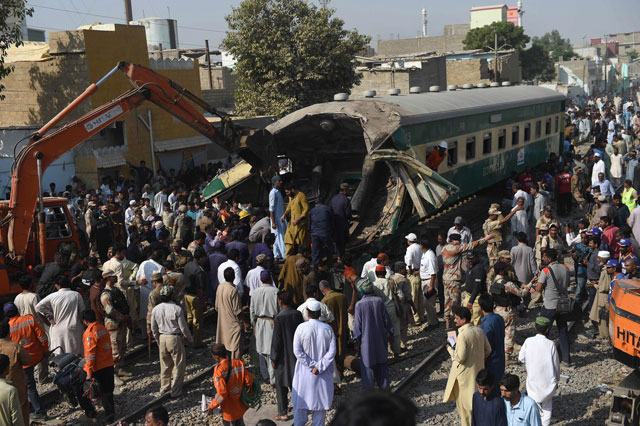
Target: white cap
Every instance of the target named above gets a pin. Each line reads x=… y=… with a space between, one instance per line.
x=443 y=144
x=604 y=254
x=132 y=202
x=411 y=237
x=314 y=306
x=158 y=224
x=596 y=153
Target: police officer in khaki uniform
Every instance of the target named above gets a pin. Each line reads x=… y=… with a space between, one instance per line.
x=179 y=256
x=577 y=187
x=493 y=226
x=178 y=224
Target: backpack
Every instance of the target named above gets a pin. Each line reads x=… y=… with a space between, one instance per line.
x=119 y=301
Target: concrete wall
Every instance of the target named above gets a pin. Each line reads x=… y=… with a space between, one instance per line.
x=432 y=73
x=464 y=71
x=449 y=42
x=485 y=16
x=581 y=73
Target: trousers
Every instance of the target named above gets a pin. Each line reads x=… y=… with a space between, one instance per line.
x=32 y=391
x=375 y=375
x=545 y=407
x=395 y=347
x=476 y=312
x=173 y=363
x=509 y=316
x=451 y=298
x=194 y=316
x=429 y=303
x=418 y=299
x=282 y=399
x=104 y=377
x=561 y=323
x=266 y=370
x=300 y=417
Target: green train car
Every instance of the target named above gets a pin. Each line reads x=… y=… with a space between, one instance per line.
x=379 y=145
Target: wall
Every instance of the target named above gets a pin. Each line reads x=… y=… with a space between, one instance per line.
x=432 y=73
x=449 y=42
x=582 y=73
x=465 y=71
x=485 y=16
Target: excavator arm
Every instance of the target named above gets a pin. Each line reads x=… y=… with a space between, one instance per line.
x=45 y=147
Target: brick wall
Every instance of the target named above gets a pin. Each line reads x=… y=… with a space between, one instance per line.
x=449 y=42
x=222 y=98
x=467 y=71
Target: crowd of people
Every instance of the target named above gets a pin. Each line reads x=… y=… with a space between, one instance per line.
x=154 y=256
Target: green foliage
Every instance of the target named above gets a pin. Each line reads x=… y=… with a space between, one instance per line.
x=484 y=37
x=290 y=54
x=556 y=45
x=10 y=34
x=633 y=55
x=537 y=64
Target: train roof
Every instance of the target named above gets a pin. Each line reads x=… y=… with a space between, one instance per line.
x=381 y=116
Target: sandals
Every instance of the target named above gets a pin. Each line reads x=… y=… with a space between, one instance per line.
x=283 y=418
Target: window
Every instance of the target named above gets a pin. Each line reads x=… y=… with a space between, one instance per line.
x=57 y=223
x=527 y=132
x=471 y=148
x=515 y=135
x=486 y=143
x=538 y=129
x=502 y=139
x=452 y=154
x=556 y=124
x=547 y=127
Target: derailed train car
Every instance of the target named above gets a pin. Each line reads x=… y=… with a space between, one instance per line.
x=380 y=145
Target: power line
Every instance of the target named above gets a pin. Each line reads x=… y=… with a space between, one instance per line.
x=119 y=18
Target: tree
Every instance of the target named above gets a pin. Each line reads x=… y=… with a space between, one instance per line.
x=633 y=55
x=290 y=54
x=556 y=45
x=537 y=64
x=484 y=37
x=11 y=11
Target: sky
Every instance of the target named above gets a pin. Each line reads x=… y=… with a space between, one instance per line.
x=578 y=20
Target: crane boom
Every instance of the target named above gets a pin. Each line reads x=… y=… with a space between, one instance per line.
x=48 y=146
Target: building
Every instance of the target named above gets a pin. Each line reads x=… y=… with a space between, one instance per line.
x=477 y=66
x=486 y=15
x=401 y=73
x=626 y=42
x=161 y=33
x=450 y=41
x=48 y=76
x=584 y=74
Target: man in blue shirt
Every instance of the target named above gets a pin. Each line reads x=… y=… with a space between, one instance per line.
x=488 y=408
x=276 y=210
x=321 y=224
x=493 y=326
x=521 y=409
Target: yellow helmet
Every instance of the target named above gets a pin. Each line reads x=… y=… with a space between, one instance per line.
x=243 y=214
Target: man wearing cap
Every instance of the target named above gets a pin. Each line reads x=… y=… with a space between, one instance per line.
x=169 y=328
x=540 y=357
x=314 y=346
x=195 y=285
x=546 y=219
x=372 y=329
x=474 y=286
x=506 y=295
x=252 y=280
x=460 y=229
x=143 y=277
x=412 y=258
x=578 y=186
x=368 y=269
x=599 y=313
x=493 y=226
x=341 y=208
x=598 y=167
x=436 y=156
x=157 y=279
x=178 y=223
x=116 y=319
x=276 y=210
x=125 y=271
x=626 y=252
x=263 y=310
x=428 y=282
x=179 y=256
x=400 y=279
x=389 y=293
x=452 y=275
x=26 y=331
x=555 y=242
x=603 y=209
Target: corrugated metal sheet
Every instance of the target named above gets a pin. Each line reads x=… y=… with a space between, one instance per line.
x=180 y=143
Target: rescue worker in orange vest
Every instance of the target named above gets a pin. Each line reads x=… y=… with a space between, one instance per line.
x=26 y=331
x=436 y=156
x=229 y=385
x=98 y=366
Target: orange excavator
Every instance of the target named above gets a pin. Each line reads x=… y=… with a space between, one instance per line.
x=624 y=331
x=25 y=245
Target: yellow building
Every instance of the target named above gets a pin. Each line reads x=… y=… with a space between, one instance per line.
x=48 y=76
x=486 y=15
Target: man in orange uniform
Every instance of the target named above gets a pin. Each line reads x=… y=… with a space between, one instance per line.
x=26 y=331
x=98 y=365
x=229 y=386
x=436 y=156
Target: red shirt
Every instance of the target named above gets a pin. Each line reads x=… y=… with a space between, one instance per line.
x=563 y=183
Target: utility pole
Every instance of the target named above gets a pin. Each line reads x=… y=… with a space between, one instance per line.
x=206 y=43
x=127 y=10
x=495 y=65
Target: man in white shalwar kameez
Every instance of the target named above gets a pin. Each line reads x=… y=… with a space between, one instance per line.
x=63 y=310
x=143 y=277
x=264 y=308
x=598 y=167
x=314 y=346
x=540 y=357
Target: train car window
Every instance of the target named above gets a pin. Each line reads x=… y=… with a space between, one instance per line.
x=452 y=154
x=502 y=138
x=515 y=135
x=547 y=127
x=486 y=143
x=538 y=129
x=527 y=132
x=471 y=148
x=556 y=124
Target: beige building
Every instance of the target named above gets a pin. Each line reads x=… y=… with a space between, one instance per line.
x=486 y=15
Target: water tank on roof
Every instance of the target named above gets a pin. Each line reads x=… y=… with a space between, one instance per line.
x=160 y=30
